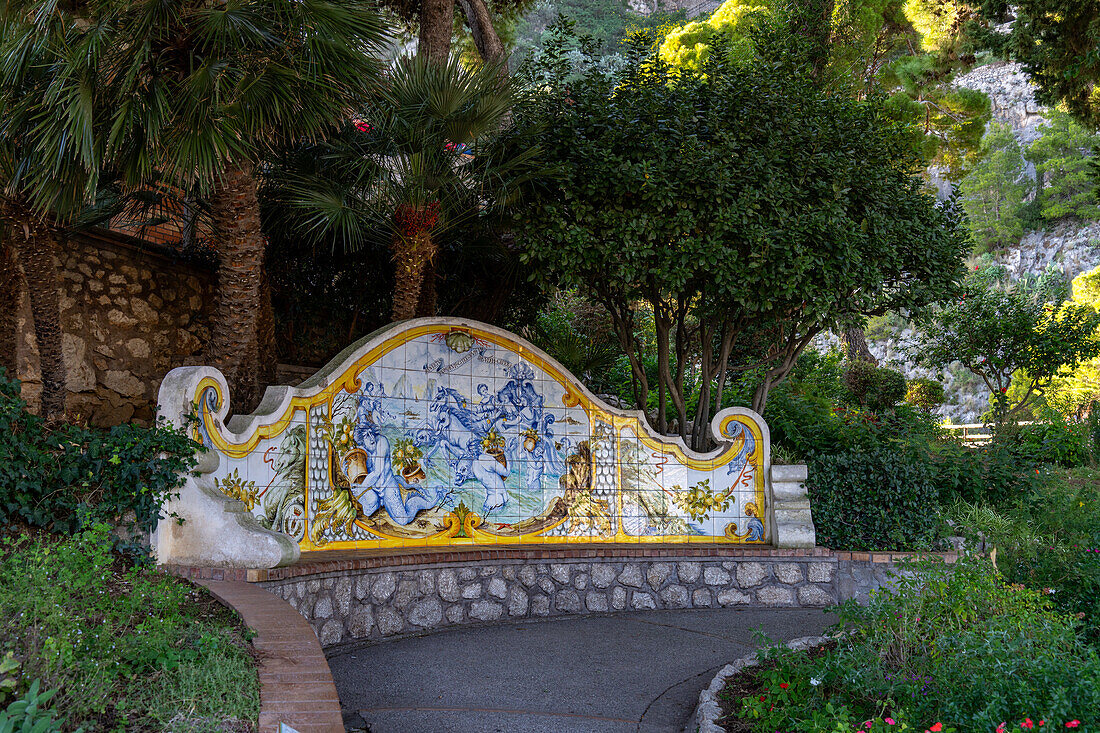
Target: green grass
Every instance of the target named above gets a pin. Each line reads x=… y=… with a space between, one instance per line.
x=126 y=648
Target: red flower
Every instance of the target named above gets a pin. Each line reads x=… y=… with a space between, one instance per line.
x=1073 y=723
x=761 y=698
x=1027 y=724
x=783 y=685
x=936 y=728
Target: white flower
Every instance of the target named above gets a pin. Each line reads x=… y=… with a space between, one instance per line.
x=815 y=681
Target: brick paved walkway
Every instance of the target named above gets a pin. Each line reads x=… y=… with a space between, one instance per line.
x=296 y=685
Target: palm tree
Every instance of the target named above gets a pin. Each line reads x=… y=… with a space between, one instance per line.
x=417 y=164
x=196 y=94
x=45 y=182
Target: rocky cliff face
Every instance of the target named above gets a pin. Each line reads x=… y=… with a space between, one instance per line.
x=1071 y=246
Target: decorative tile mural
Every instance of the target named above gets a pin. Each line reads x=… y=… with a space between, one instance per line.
x=437 y=432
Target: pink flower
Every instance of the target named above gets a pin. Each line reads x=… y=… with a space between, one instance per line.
x=889 y=721
x=1073 y=723
x=1001 y=728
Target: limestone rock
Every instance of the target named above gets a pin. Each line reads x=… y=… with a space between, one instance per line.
x=750 y=574
x=486 y=610
x=657 y=574
x=603 y=574
x=714 y=575
x=360 y=621
x=426 y=613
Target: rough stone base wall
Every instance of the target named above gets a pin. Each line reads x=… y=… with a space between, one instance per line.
x=373 y=604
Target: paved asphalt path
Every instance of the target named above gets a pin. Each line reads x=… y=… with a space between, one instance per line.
x=634 y=672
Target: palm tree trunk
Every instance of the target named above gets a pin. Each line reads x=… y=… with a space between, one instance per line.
x=411 y=254
x=9 y=306
x=436 y=27
x=426 y=303
x=242 y=338
x=37 y=247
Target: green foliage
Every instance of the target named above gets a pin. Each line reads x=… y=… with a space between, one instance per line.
x=993 y=192
x=874 y=388
x=1073 y=391
x=1062 y=163
x=1057 y=42
x=648 y=209
x=580 y=336
x=949 y=645
x=939 y=23
x=690 y=45
x=924 y=393
x=126 y=648
x=30 y=714
x=1048 y=539
x=952 y=119
x=1055 y=441
x=998 y=328
x=67 y=478
x=881 y=499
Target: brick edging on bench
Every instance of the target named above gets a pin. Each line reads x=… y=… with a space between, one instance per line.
x=315 y=563
x=296 y=685
x=382 y=595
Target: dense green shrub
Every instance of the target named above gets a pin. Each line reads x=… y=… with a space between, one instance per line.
x=67 y=478
x=874 y=388
x=126 y=647
x=1057 y=441
x=924 y=393
x=955 y=646
x=882 y=499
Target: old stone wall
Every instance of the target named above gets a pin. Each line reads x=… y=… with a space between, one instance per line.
x=374 y=604
x=129 y=314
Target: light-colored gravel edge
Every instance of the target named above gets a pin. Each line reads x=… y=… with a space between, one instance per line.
x=708 y=710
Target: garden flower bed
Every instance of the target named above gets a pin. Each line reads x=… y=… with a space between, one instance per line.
x=943 y=651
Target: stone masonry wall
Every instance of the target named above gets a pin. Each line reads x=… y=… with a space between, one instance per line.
x=373 y=604
x=129 y=314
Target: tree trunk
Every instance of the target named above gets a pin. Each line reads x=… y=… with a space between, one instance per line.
x=426 y=303
x=485 y=35
x=436 y=27
x=411 y=255
x=242 y=334
x=9 y=308
x=37 y=249
x=855 y=346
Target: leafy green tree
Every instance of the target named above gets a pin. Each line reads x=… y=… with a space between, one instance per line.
x=1002 y=330
x=1063 y=166
x=940 y=24
x=1075 y=391
x=1057 y=41
x=993 y=192
x=748 y=209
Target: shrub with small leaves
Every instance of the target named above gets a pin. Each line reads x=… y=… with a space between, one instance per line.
x=69 y=477
x=924 y=393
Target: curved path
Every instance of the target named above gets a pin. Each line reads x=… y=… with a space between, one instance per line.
x=585 y=674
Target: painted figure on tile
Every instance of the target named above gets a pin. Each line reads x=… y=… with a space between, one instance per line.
x=284 y=497
x=380 y=486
